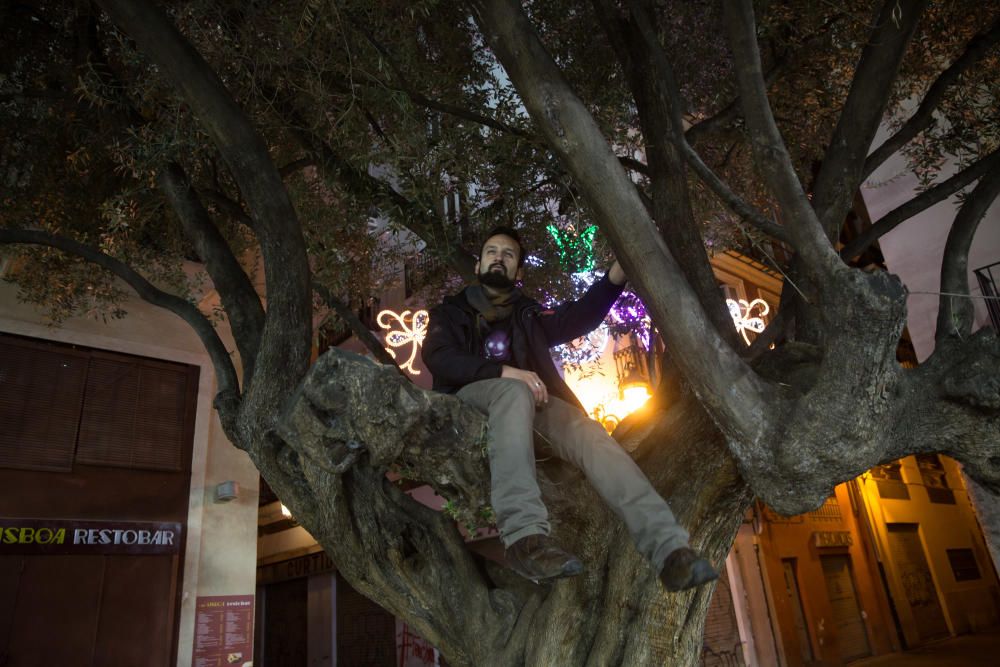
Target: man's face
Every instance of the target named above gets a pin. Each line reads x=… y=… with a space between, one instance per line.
x=498 y=263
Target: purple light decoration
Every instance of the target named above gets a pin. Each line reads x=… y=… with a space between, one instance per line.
x=629 y=315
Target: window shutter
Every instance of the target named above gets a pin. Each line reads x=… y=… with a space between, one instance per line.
x=134 y=414
x=160 y=421
x=40 y=394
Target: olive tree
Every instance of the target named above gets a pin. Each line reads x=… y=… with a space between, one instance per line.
x=271 y=133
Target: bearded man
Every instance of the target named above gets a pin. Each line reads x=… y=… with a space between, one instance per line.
x=489 y=345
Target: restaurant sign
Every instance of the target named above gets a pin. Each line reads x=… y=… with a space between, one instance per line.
x=832 y=538
x=69 y=536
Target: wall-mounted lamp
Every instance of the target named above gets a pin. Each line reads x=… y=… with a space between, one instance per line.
x=227 y=491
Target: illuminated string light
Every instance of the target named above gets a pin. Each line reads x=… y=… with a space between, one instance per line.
x=576 y=250
x=407 y=334
x=584 y=349
x=602 y=399
x=629 y=315
x=741 y=312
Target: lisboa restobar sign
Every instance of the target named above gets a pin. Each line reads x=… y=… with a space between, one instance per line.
x=69 y=536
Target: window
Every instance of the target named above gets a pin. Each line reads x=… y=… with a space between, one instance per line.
x=963 y=564
x=828 y=511
x=133 y=414
x=889 y=479
x=935 y=479
x=62 y=406
x=41 y=393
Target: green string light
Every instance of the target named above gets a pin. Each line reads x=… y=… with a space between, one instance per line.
x=576 y=251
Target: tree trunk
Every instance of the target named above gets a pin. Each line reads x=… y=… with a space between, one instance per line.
x=352 y=420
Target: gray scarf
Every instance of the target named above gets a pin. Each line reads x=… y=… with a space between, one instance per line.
x=492 y=308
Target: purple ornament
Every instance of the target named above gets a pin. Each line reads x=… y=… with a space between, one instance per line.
x=497 y=345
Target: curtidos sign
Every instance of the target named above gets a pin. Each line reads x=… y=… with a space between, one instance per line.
x=58 y=536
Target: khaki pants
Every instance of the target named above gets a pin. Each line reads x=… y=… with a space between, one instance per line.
x=517 y=501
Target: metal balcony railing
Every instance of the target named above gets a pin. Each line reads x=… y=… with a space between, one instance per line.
x=989 y=285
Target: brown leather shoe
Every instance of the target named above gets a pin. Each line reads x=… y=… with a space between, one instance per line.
x=536 y=557
x=685 y=568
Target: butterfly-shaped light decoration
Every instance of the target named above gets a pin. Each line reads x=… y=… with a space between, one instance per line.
x=741 y=311
x=576 y=250
x=407 y=334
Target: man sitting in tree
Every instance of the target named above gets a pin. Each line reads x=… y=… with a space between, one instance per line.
x=489 y=344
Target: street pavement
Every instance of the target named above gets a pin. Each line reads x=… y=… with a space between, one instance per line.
x=966 y=651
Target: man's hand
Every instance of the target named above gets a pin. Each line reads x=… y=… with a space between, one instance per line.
x=616 y=274
x=534 y=383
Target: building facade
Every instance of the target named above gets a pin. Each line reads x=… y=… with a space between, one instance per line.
x=109 y=434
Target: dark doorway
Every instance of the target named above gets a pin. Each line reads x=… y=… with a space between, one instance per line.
x=86 y=610
x=282 y=624
x=852 y=635
x=916 y=580
x=795 y=602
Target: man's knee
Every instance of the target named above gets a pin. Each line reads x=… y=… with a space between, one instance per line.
x=512 y=394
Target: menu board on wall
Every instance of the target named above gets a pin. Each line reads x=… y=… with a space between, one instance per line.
x=223 y=631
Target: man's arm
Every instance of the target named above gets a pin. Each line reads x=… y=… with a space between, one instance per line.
x=573 y=319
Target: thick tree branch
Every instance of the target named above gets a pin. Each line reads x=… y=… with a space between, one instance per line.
x=955 y=407
x=921 y=202
x=357 y=326
x=774 y=330
x=231 y=208
x=843 y=165
x=335 y=432
x=238 y=296
x=229 y=386
x=977 y=47
x=294 y=166
x=667 y=85
x=770 y=154
x=285 y=342
x=351 y=418
x=671 y=202
x=727 y=114
x=634 y=165
x=955 y=313
x=730 y=390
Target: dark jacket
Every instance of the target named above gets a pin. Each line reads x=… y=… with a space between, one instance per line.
x=451 y=349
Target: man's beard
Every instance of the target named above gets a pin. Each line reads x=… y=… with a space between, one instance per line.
x=496 y=279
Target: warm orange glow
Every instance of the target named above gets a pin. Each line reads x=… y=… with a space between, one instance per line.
x=634 y=398
x=600 y=397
